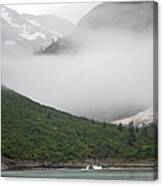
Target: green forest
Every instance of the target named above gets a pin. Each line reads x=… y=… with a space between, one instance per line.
x=31 y=131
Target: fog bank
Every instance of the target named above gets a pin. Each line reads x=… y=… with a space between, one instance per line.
x=104 y=81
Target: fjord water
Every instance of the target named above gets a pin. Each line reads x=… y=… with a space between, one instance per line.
x=105 y=174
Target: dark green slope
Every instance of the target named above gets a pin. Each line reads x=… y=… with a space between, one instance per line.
x=31 y=131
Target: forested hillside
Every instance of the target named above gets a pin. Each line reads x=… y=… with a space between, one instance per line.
x=31 y=131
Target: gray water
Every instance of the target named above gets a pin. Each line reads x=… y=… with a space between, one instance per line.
x=105 y=174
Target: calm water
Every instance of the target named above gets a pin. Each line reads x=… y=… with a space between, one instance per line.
x=80 y=174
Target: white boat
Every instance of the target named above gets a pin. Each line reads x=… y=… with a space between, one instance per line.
x=96 y=167
x=92 y=167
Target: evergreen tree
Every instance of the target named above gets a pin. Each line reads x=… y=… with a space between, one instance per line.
x=104 y=124
x=120 y=127
x=132 y=135
x=145 y=131
x=137 y=129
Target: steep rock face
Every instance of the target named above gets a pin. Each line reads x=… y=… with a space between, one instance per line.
x=105 y=19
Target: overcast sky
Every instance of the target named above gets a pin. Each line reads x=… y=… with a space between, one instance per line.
x=70 y=11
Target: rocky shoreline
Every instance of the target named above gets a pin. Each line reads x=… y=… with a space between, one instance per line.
x=10 y=164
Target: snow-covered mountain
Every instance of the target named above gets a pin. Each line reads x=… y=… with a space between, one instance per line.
x=144 y=117
x=27 y=32
x=51 y=23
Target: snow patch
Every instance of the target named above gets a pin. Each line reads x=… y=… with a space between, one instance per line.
x=57 y=34
x=34 y=22
x=140 y=118
x=26 y=29
x=33 y=36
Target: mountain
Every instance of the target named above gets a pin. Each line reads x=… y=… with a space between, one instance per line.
x=128 y=16
x=27 y=33
x=31 y=131
x=141 y=118
x=51 y=22
x=102 y=21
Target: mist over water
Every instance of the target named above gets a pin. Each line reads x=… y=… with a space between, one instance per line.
x=102 y=81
